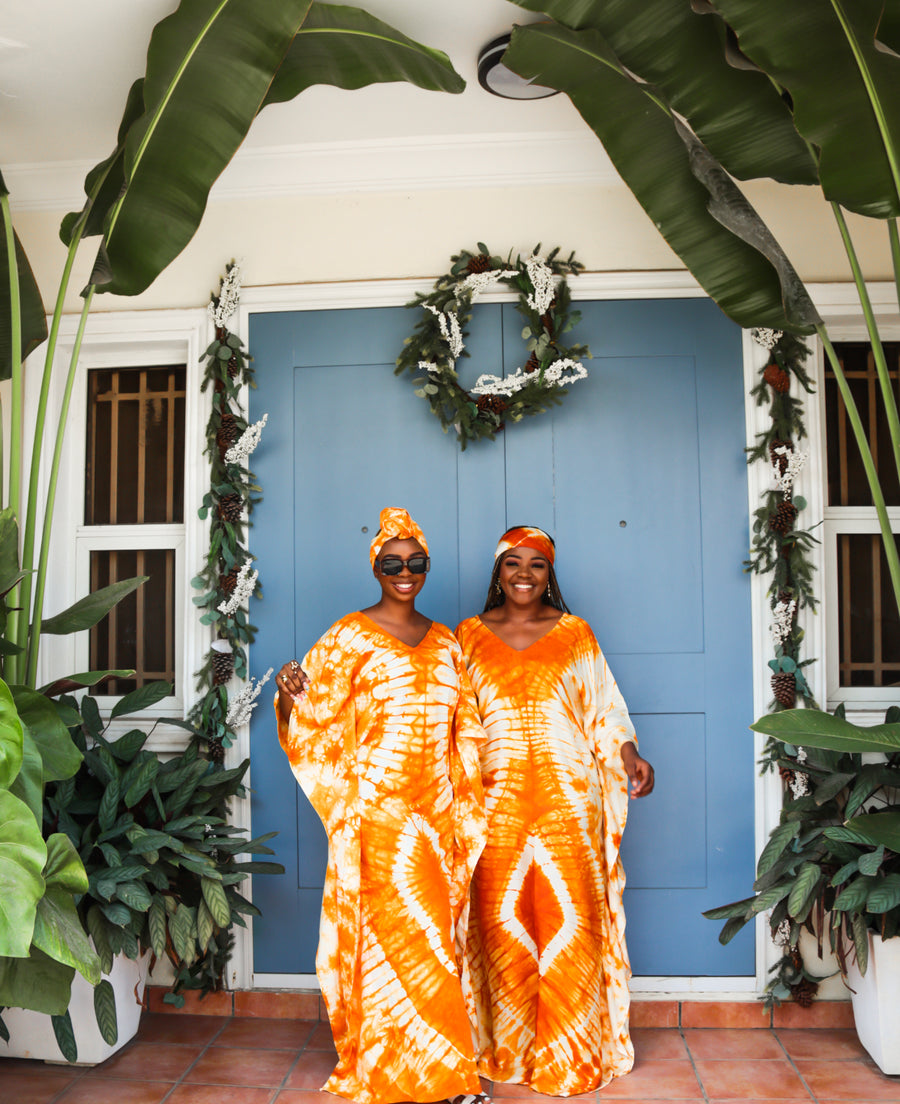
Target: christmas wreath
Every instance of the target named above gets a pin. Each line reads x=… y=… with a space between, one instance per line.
x=439 y=340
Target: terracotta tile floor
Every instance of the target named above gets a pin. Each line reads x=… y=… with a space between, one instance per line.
x=223 y=1060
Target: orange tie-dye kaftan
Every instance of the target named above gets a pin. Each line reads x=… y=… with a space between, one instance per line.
x=547 y=931
x=385 y=745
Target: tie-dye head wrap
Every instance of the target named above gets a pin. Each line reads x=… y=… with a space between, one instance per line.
x=526 y=536
x=395 y=523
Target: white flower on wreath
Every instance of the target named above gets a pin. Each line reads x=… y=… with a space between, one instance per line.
x=555 y=375
x=451 y=331
x=544 y=284
x=243 y=588
x=784 y=480
x=242 y=448
x=476 y=282
x=223 y=306
x=243 y=704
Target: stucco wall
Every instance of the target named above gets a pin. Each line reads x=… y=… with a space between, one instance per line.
x=372 y=235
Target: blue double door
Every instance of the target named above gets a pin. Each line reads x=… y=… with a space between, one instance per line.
x=639 y=475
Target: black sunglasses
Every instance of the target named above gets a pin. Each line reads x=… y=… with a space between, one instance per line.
x=418 y=564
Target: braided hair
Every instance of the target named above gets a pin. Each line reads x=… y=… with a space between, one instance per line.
x=551 y=597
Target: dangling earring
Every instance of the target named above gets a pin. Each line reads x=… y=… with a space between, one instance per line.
x=498 y=590
x=547 y=593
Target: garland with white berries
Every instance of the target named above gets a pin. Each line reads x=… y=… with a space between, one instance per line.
x=227 y=579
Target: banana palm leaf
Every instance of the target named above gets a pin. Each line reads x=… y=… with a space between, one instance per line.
x=845 y=86
x=349 y=48
x=737 y=112
x=31 y=309
x=211 y=67
x=692 y=201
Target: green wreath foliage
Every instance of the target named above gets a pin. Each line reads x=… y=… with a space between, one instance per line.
x=438 y=340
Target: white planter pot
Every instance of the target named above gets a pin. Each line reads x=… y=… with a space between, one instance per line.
x=876 y=1002
x=31 y=1033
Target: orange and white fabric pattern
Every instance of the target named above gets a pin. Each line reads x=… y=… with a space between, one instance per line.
x=385 y=745
x=547 y=950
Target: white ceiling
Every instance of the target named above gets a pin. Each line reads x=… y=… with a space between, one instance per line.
x=66 y=66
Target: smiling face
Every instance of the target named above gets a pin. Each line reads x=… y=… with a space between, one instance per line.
x=405 y=586
x=524 y=575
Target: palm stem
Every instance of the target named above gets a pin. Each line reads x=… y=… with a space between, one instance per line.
x=884 y=377
x=16 y=412
x=41 y=579
x=890 y=545
x=30 y=528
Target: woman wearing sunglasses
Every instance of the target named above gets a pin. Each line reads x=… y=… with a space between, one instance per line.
x=381 y=731
x=546 y=943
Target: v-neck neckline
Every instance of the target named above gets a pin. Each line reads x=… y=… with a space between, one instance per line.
x=390 y=635
x=528 y=647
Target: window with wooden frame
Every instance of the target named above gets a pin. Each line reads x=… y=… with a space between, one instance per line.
x=863 y=623
x=134 y=517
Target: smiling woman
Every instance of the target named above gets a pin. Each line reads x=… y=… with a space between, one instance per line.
x=380 y=728
x=547 y=934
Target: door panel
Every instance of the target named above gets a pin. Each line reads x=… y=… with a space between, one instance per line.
x=653 y=438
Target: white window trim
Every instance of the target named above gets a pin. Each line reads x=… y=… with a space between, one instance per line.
x=93 y=538
x=116 y=339
x=841 y=311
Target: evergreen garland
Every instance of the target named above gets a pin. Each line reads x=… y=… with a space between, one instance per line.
x=782 y=550
x=226 y=580
x=779 y=547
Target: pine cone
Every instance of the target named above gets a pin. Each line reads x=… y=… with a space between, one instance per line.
x=222 y=667
x=231 y=507
x=779 y=460
x=233 y=366
x=228 y=582
x=804 y=992
x=532 y=364
x=782 y=521
x=776 y=377
x=481 y=262
x=226 y=434
x=492 y=403
x=784 y=687
x=216 y=751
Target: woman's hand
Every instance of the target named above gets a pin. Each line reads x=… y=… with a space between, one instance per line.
x=292 y=682
x=639 y=771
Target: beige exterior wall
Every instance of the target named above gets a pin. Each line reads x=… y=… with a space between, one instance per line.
x=382 y=235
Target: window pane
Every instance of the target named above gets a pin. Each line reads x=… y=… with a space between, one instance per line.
x=847 y=484
x=869 y=623
x=139 y=633
x=135 y=446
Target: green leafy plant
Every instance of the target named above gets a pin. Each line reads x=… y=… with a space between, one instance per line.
x=162 y=872
x=832 y=866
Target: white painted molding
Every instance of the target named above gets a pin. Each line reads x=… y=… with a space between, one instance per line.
x=675 y=284
x=464 y=161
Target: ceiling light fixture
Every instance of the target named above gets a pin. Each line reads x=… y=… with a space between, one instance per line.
x=494 y=77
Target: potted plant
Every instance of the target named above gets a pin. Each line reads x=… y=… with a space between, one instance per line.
x=162 y=873
x=833 y=864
